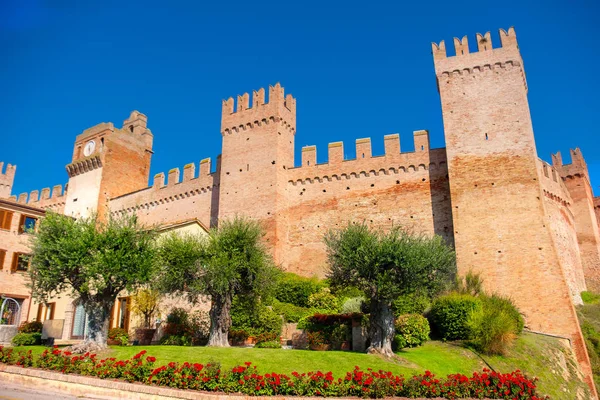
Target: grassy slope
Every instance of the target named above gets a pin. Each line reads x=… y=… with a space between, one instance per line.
x=535 y=355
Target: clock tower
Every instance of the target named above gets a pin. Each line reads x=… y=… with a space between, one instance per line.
x=108 y=162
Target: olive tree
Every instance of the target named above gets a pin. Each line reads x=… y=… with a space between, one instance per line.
x=92 y=261
x=231 y=260
x=385 y=266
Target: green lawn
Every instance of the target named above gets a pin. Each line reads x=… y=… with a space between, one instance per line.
x=536 y=355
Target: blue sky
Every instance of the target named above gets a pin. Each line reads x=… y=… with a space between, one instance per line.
x=357 y=70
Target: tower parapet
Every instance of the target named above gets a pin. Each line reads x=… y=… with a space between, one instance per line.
x=486 y=58
x=7 y=177
x=280 y=108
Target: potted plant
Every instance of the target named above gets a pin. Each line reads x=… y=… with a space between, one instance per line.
x=117 y=337
x=238 y=337
x=316 y=341
x=145 y=306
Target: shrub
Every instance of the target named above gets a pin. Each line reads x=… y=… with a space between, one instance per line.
x=120 y=335
x=449 y=315
x=352 y=305
x=412 y=330
x=238 y=335
x=27 y=339
x=254 y=317
x=492 y=331
x=590 y=297
x=31 y=327
x=316 y=339
x=176 y=340
x=272 y=344
x=471 y=283
x=291 y=312
x=504 y=304
x=324 y=300
x=185 y=329
x=267 y=337
x=296 y=290
x=411 y=304
x=340 y=334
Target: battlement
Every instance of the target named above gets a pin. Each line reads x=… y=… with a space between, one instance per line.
x=363 y=149
x=278 y=108
x=7 y=177
x=365 y=164
x=189 y=174
x=577 y=167
x=49 y=199
x=485 y=58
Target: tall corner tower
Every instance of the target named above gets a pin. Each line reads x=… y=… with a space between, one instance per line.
x=108 y=162
x=258 y=148
x=500 y=225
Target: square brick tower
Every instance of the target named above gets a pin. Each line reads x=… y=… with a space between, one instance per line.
x=108 y=162
x=258 y=148
x=501 y=229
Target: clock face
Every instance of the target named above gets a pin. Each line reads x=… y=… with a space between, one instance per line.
x=89 y=148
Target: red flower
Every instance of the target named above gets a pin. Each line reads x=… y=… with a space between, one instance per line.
x=151 y=359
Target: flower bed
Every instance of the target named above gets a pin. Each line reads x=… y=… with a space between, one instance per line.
x=246 y=378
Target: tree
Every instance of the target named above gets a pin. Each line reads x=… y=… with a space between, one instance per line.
x=145 y=304
x=93 y=260
x=231 y=261
x=385 y=266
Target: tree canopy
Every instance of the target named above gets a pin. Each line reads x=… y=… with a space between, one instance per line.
x=386 y=265
x=231 y=260
x=92 y=261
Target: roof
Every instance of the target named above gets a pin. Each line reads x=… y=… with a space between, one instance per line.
x=16 y=206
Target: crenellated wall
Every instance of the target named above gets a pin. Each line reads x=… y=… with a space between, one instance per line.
x=560 y=219
x=49 y=199
x=577 y=182
x=395 y=189
x=174 y=200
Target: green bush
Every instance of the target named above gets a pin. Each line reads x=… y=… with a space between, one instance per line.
x=412 y=330
x=176 y=340
x=27 y=339
x=120 y=335
x=411 y=304
x=352 y=305
x=450 y=313
x=31 y=327
x=324 y=300
x=267 y=337
x=254 y=317
x=296 y=290
x=506 y=305
x=340 y=334
x=291 y=312
x=495 y=326
x=590 y=297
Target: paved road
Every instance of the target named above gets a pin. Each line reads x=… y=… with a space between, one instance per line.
x=15 y=392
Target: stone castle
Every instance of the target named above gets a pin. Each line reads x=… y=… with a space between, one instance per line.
x=530 y=228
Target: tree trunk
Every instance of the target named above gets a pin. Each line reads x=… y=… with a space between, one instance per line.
x=98 y=318
x=220 y=320
x=381 y=329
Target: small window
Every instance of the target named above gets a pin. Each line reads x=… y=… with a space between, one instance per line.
x=2 y=258
x=5 y=219
x=20 y=262
x=27 y=224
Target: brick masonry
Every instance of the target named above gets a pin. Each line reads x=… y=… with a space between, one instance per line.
x=529 y=227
